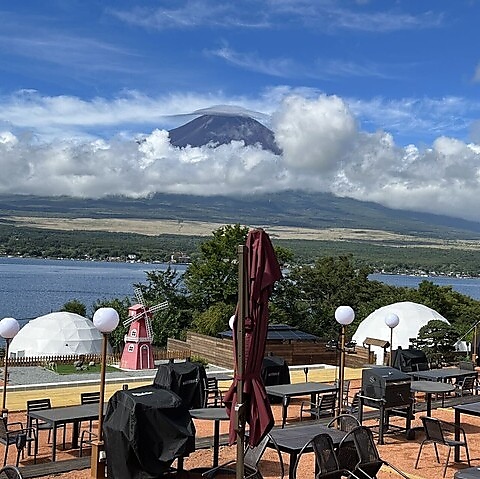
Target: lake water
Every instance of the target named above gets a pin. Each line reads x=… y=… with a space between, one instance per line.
x=32 y=287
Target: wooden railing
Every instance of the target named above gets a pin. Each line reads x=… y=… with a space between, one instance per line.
x=158 y=354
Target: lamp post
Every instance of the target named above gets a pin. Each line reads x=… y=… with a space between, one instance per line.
x=344 y=315
x=105 y=320
x=391 y=320
x=9 y=327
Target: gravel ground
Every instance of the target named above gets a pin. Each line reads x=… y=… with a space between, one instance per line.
x=18 y=376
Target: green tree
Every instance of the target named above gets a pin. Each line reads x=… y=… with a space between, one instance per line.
x=212 y=277
x=214 y=320
x=75 y=306
x=176 y=319
x=437 y=340
x=121 y=306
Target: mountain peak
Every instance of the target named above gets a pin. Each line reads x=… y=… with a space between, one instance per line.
x=221 y=129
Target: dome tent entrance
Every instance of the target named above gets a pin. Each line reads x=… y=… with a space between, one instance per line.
x=57 y=334
x=413 y=316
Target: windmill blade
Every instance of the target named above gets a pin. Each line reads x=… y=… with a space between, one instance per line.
x=139 y=296
x=158 y=307
x=130 y=319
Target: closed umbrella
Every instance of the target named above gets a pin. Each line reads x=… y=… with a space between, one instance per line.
x=261 y=270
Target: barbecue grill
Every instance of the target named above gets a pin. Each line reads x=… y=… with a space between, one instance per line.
x=388 y=390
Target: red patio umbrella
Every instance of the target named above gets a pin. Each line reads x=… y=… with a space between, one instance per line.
x=258 y=271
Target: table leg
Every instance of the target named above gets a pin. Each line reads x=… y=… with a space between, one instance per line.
x=457 y=435
x=293 y=460
x=429 y=404
x=75 y=433
x=381 y=425
x=285 y=403
x=54 y=442
x=216 y=442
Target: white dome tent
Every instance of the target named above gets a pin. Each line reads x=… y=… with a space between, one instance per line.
x=412 y=317
x=57 y=334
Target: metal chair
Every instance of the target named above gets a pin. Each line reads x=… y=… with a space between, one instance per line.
x=443 y=433
x=370 y=462
x=323 y=407
x=37 y=405
x=86 y=439
x=213 y=394
x=90 y=398
x=326 y=461
x=346 y=390
x=354 y=405
x=15 y=433
x=252 y=458
x=10 y=472
x=465 y=386
x=344 y=422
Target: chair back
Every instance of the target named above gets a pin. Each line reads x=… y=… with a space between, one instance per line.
x=344 y=422
x=254 y=454
x=10 y=472
x=355 y=404
x=325 y=455
x=3 y=430
x=90 y=397
x=38 y=404
x=467 y=384
x=327 y=403
x=369 y=459
x=433 y=429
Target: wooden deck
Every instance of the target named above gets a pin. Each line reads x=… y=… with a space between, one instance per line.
x=57 y=467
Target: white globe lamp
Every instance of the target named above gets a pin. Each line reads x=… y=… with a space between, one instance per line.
x=391 y=320
x=9 y=327
x=344 y=315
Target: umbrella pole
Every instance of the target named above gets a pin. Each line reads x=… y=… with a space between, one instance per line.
x=240 y=334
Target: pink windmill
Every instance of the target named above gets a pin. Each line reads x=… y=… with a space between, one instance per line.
x=137 y=353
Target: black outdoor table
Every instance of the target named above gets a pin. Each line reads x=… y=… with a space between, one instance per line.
x=444 y=374
x=429 y=388
x=57 y=416
x=472 y=409
x=287 y=391
x=215 y=414
x=292 y=439
x=220 y=376
x=468 y=473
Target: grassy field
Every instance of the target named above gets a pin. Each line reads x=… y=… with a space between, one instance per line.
x=200 y=228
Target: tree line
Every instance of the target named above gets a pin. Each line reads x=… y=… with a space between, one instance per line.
x=204 y=296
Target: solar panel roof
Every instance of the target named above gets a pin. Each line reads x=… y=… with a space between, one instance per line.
x=281 y=332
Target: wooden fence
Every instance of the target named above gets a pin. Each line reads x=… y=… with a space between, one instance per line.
x=158 y=354
x=219 y=351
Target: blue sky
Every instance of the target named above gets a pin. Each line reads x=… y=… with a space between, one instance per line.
x=373 y=99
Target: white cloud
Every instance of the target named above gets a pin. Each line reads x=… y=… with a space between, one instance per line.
x=44 y=150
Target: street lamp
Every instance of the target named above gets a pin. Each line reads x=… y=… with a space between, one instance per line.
x=9 y=327
x=105 y=320
x=344 y=315
x=391 y=320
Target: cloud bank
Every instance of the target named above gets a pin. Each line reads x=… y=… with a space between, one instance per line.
x=325 y=149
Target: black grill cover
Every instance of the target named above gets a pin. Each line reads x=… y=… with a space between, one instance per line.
x=145 y=430
x=409 y=360
x=275 y=371
x=187 y=379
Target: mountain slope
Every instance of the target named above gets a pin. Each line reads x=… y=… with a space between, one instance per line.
x=292 y=208
x=222 y=129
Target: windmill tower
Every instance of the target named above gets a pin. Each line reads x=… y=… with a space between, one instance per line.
x=137 y=353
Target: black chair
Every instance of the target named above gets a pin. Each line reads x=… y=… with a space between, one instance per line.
x=370 y=462
x=443 y=433
x=327 y=465
x=37 y=405
x=346 y=390
x=465 y=386
x=323 y=407
x=354 y=405
x=252 y=458
x=213 y=394
x=90 y=398
x=15 y=433
x=10 y=472
x=86 y=439
x=344 y=422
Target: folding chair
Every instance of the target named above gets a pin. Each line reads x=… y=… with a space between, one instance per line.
x=326 y=461
x=443 y=433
